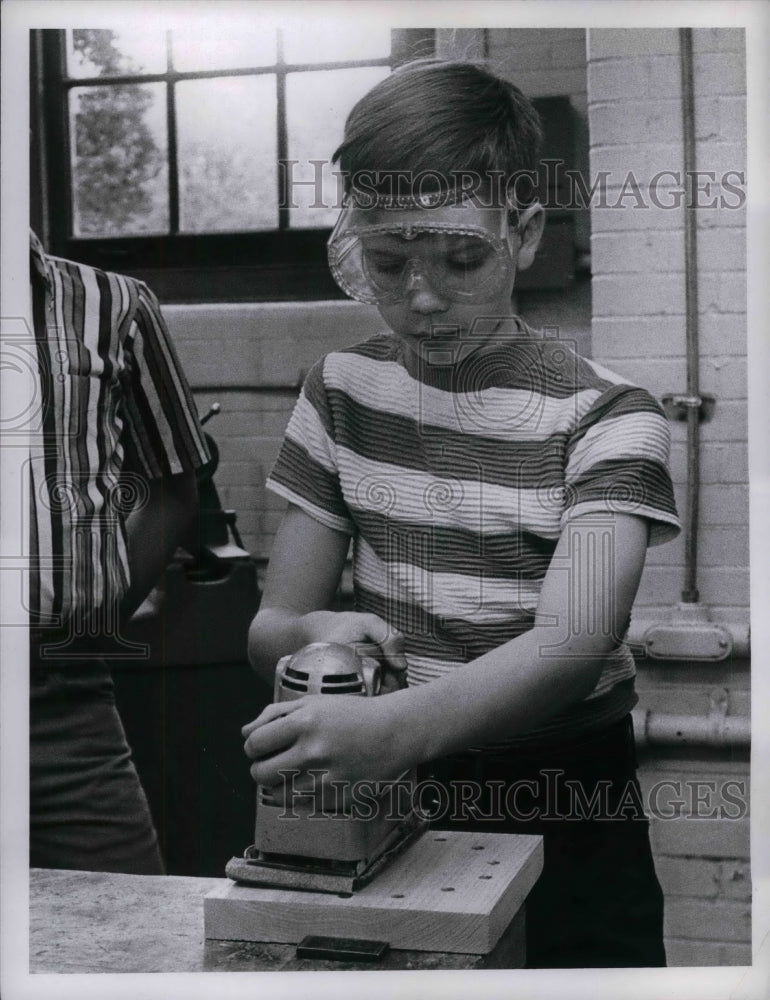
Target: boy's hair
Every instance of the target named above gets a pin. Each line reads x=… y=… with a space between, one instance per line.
x=433 y=119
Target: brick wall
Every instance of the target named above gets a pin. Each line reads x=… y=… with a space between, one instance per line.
x=702 y=858
x=634 y=94
x=637 y=256
x=251 y=358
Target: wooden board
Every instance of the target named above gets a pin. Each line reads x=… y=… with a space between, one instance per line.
x=449 y=892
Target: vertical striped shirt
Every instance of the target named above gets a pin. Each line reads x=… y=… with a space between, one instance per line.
x=456 y=485
x=117 y=412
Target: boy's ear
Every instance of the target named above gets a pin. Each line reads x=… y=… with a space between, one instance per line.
x=530 y=232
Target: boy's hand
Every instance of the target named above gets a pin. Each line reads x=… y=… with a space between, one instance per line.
x=338 y=738
x=368 y=634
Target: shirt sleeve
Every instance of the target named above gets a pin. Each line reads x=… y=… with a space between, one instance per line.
x=617 y=462
x=163 y=435
x=306 y=471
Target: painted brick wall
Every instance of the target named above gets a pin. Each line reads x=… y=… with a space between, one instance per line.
x=251 y=359
x=637 y=255
x=702 y=858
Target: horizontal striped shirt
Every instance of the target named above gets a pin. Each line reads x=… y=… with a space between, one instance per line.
x=457 y=483
x=116 y=412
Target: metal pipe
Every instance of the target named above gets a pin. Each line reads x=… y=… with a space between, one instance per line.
x=690 y=591
x=717 y=729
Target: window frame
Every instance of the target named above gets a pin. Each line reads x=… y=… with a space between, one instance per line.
x=282 y=264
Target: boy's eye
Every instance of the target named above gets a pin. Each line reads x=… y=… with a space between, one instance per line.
x=469 y=260
x=384 y=262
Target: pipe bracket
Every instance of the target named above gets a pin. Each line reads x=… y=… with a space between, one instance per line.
x=688 y=641
x=677 y=405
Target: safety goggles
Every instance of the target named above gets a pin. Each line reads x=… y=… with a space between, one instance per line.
x=378 y=261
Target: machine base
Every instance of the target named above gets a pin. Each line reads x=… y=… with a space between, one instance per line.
x=450 y=892
x=316 y=874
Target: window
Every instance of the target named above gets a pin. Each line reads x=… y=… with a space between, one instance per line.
x=188 y=159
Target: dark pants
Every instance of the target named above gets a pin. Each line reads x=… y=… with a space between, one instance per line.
x=88 y=810
x=598 y=902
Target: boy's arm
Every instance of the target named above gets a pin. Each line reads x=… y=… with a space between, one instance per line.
x=582 y=614
x=305 y=567
x=502 y=694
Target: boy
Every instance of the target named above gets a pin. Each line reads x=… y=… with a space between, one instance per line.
x=500 y=492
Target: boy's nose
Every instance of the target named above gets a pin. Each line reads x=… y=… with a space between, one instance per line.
x=422 y=296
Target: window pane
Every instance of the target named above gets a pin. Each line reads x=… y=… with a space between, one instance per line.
x=119 y=160
x=227 y=154
x=201 y=50
x=334 y=41
x=317 y=106
x=103 y=52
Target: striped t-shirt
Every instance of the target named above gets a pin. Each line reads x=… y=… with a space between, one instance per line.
x=116 y=412
x=456 y=484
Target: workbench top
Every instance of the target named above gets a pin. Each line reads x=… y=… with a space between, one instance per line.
x=83 y=922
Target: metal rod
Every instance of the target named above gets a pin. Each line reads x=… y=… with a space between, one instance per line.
x=213 y=74
x=282 y=137
x=690 y=592
x=171 y=144
x=712 y=730
x=249 y=387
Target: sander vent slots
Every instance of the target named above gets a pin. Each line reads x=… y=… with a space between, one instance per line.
x=298 y=681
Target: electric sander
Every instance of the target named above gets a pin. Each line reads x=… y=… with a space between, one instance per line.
x=299 y=844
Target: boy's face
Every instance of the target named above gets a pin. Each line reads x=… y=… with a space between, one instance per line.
x=429 y=313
